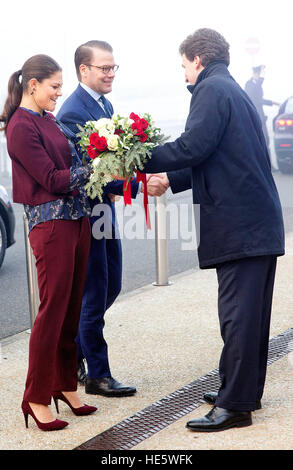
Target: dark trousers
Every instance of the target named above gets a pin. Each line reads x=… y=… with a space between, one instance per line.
x=61 y=249
x=103 y=284
x=244 y=305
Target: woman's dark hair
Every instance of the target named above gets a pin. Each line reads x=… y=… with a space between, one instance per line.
x=39 y=67
x=208 y=44
x=84 y=53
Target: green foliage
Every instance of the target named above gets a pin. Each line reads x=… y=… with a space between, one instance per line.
x=130 y=155
x=107 y=166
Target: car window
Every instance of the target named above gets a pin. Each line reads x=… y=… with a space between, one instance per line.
x=289 y=105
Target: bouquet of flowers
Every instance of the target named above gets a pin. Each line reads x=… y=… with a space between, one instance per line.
x=119 y=147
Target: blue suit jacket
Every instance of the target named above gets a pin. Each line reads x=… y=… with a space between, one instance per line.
x=79 y=108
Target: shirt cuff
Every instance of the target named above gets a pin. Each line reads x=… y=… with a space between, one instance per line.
x=79 y=176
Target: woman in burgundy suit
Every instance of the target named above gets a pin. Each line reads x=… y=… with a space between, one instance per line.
x=48 y=178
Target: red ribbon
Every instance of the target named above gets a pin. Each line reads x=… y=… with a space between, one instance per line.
x=127 y=192
x=127 y=195
x=142 y=177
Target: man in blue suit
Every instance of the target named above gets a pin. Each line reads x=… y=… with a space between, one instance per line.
x=96 y=69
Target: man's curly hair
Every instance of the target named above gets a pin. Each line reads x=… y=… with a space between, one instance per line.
x=208 y=44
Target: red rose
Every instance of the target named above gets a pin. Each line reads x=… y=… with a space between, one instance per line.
x=144 y=124
x=94 y=138
x=143 y=137
x=93 y=153
x=100 y=143
x=118 y=132
x=136 y=126
x=135 y=117
x=139 y=125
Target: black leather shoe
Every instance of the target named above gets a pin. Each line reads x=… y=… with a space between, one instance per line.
x=211 y=397
x=81 y=372
x=108 y=387
x=219 y=419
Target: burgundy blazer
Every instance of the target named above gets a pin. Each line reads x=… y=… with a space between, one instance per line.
x=41 y=158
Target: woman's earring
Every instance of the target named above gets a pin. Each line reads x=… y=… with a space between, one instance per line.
x=32 y=92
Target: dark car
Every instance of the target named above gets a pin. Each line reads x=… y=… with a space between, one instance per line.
x=283 y=136
x=7 y=223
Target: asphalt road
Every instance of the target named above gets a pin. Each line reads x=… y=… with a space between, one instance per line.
x=139 y=255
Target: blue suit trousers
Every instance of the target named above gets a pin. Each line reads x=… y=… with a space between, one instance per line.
x=103 y=285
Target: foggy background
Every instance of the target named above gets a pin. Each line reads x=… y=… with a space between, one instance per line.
x=145 y=37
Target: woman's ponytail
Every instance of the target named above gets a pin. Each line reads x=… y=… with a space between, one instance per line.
x=40 y=67
x=13 y=99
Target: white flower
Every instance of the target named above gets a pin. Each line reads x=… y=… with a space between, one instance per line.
x=96 y=161
x=112 y=142
x=126 y=123
x=104 y=133
x=122 y=122
x=103 y=122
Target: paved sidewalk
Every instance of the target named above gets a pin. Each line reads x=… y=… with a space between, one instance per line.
x=160 y=339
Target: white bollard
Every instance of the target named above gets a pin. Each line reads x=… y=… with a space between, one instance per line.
x=32 y=277
x=161 y=234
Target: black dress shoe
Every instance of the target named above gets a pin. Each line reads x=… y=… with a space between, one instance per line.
x=219 y=419
x=81 y=372
x=211 y=397
x=108 y=387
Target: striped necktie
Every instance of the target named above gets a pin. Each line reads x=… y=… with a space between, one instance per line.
x=102 y=102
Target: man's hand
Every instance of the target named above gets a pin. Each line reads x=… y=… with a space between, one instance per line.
x=113 y=197
x=157 y=184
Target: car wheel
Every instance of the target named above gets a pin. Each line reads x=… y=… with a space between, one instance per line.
x=3 y=240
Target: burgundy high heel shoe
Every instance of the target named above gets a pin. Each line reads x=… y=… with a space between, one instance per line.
x=51 y=426
x=81 y=411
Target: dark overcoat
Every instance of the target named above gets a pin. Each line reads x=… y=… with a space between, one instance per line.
x=253 y=88
x=223 y=156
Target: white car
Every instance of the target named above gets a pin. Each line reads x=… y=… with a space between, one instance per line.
x=283 y=136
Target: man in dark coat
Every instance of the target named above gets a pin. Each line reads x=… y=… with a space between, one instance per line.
x=223 y=156
x=253 y=88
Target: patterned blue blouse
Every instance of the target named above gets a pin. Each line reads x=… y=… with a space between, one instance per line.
x=68 y=207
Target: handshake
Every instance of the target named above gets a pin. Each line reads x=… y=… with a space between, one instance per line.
x=157 y=184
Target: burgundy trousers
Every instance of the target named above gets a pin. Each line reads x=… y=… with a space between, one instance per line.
x=61 y=249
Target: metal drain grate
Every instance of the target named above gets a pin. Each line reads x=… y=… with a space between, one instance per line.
x=135 y=429
x=280 y=346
